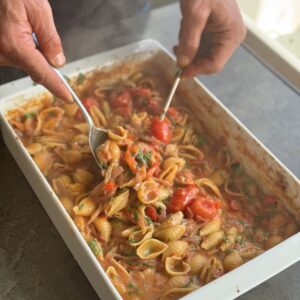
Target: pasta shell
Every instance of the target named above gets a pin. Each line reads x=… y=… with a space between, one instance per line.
x=211 y=227
x=174 y=219
x=229 y=239
x=80 y=140
x=205 y=182
x=61 y=185
x=190 y=152
x=70 y=109
x=138 y=237
x=219 y=177
x=67 y=204
x=34 y=148
x=138 y=119
x=212 y=270
x=117 y=203
x=98 y=117
x=276 y=222
x=169 y=174
x=118 y=134
x=178 y=281
x=175 y=248
x=85 y=207
x=83 y=176
x=177 y=134
x=273 y=241
x=250 y=252
x=290 y=229
x=77 y=188
x=171 y=233
x=179 y=162
x=232 y=261
x=80 y=222
x=151 y=248
x=196 y=263
x=212 y=240
x=72 y=157
x=176 y=266
x=104 y=228
x=148 y=192
x=82 y=127
x=44 y=161
x=108 y=152
x=128 y=231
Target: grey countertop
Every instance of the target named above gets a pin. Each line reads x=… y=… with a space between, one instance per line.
x=34 y=261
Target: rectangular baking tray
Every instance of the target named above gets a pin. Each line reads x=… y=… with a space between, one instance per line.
x=217 y=121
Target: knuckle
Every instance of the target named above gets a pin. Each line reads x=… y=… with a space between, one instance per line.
x=38 y=77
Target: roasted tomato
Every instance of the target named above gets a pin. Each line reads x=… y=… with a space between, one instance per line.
x=204 y=208
x=88 y=104
x=151 y=213
x=161 y=129
x=120 y=100
x=182 y=198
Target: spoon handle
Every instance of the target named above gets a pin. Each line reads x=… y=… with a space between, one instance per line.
x=171 y=94
x=74 y=95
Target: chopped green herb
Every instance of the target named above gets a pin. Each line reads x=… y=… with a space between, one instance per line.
x=34 y=83
x=80 y=206
x=29 y=115
x=135 y=215
x=95 y=247
x=226 y=239
x=131 y=286
x=159 y=210
x=80 y=78
x=133 y=290
x=237 y=168
x=201 y=140
x=148 y=220
x=144 y=158
x=131 y=241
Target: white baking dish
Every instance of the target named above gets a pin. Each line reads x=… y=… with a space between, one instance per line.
x=219 y=123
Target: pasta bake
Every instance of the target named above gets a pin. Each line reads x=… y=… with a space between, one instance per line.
x=170 y=210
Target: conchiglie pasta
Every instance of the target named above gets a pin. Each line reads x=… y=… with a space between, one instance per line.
x=212 y=240
x=148 y=192
x=229 y=239
x=273 y=241
x=118 y=134
x=151 y=248
x=139 y=236
x=219 y=177
x=117 y=203
x=212 y=270
x=98 y=117
x=232 y=261
x=176 y=266
x=171 y=233
x=85 y=207
x=68 y=204
x=196 y=263
x=104 y=228
x=175 y=248
x=211 y=227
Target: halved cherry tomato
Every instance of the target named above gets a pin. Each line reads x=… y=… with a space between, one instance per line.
x=182 y=198
x=204 y=208
x=234 y=205
x=125 y=112
x=151 y=213
x=269 y=201
x=173 y=112
x=161 y=129
x=109 y=186
x=88 y=103
x=121 y=100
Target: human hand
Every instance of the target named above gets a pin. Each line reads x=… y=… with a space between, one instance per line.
x=18 y=20
x=219 y=23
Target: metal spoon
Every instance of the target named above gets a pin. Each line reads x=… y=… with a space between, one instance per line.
x=171 y=94
x=97 y=136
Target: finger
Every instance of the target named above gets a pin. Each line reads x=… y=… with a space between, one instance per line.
x=191 y=29
x=41 y=19
x=32 y=61
x=211 y=63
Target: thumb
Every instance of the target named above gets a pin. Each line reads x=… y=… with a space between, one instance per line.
x=191 y=29
x=41 y=19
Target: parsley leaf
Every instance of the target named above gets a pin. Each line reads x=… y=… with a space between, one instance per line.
x=29 y=115
x=95 y=247
x=237 y=169
x=102 y=165
x=135 y=215
x=80 y=79
x=144 y=158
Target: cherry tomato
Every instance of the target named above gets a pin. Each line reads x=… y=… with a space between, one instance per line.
x=204 y=208
x=151 y=213
x=109 y=186
x=173 y=112
x=121 y=100
x=153 y=107
x=182 y=198
x=161 y=129
x=269 y=201
x=88 y=103
x=234 y=205
x=142 y=92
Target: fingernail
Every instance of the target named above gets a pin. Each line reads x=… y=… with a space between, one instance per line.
x=59 y=60
x=183 y=60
